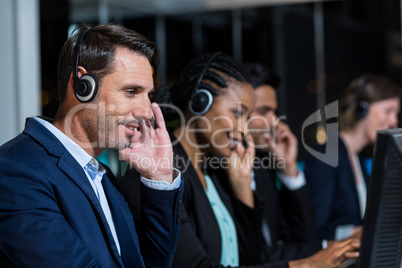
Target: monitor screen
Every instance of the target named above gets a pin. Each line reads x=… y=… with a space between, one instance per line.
x=381 y=244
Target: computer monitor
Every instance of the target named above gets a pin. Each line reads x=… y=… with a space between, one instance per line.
x=381 y=244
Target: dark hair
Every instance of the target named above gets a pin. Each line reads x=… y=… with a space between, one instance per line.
x=221 y=71
x=367 y=88
x=259 y=75
x=98 y=49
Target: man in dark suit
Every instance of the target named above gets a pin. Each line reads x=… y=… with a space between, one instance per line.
x=288 y=221
x=58 y=204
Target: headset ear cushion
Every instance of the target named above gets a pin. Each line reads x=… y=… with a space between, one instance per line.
x=200 y=102
x=362 y=109
x=86 y=88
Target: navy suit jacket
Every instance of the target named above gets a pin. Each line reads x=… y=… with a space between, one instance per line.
x=334 y=192
x=289 y=215
x=51 y=217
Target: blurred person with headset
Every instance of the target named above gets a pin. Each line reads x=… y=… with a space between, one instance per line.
x=288 y=222
x=368 y=104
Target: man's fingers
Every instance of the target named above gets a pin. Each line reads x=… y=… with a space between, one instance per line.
x=158 y=116
x=151 y=129
x=123 y=153
x=128 y=157
x=144 y=130
x=272 y=145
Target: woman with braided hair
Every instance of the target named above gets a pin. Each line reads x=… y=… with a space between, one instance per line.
x=221 y=218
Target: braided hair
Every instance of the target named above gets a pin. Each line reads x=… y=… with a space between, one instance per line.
x=219 y=72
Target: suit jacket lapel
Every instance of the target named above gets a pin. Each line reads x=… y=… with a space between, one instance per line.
x=265 y=188
x=75 y=172
x=71 y=168
x=124 y=224
x=66 y=162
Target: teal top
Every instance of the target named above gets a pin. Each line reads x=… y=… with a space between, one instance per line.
x=230 y=250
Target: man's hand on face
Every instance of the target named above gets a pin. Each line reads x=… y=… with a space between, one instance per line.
x=151 y=154
x=284 y=145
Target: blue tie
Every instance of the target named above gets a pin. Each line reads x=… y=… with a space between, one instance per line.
x=93 y=172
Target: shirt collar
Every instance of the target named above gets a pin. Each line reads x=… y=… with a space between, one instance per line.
x=95 y=164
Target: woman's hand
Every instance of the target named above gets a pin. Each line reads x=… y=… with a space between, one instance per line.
x=239 y=171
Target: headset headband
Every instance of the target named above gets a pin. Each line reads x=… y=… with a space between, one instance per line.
x=77 y=52
x=213 y=57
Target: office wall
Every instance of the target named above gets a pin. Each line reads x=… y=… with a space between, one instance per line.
x=19 y=65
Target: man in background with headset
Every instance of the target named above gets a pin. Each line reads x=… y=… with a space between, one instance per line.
x=288 y=220
x=58 y=206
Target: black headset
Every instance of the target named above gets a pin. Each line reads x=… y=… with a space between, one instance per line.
x=362 y=107
x=86 y=86
x=201 y=100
